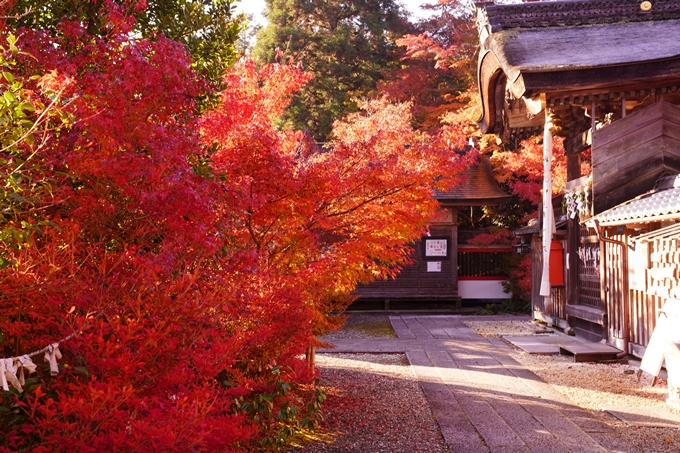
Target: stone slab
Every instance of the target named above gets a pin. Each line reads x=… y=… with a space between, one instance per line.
x=654 y=417
x=562 y=344
x=536 y=344
x=613 y=442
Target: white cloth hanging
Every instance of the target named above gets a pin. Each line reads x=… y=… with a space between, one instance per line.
x=579 y=206
x=548 y=213
x=51 y=356
x=11 y=368
x=3 y=377
x=26 y=365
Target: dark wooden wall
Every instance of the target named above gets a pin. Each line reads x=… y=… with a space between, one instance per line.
x=630 y=154
x=414 y=281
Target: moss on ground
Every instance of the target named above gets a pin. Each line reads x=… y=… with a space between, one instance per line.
x=371 y=325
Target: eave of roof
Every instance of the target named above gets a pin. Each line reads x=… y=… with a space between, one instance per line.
x=661 y=205
x=585 y=47
x=543 y=47
x=529 y=229
x=477 y=187
x=535 y=227
x=566 y=13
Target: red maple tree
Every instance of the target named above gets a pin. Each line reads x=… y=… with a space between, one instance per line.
x=188 y=259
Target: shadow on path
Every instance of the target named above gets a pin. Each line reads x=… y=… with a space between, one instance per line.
x=485 y=401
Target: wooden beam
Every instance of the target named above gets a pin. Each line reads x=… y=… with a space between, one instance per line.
x=490 y=74
x=591 y=314
x=551 y=320
x=583 y=95
x=646 y=74
x=518 y=116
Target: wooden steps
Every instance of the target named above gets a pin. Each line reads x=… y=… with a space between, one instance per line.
x=561 y=344
x=589 y=352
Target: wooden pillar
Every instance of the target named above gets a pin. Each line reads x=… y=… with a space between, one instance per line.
x=548 y=224
x=576 y=141
x=573 y=229
x=454 y=253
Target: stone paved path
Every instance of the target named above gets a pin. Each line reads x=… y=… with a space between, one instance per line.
x=485 y=401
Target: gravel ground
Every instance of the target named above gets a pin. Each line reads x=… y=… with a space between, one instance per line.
x=375 y=405
x=498 y=328
x=594 y=386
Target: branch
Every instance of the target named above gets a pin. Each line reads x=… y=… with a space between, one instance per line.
x=42 y=118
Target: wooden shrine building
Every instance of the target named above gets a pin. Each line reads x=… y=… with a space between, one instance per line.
x=445 y=269
x=605 y=75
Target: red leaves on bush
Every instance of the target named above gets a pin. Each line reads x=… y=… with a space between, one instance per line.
x=193 y=255
x=524 y=168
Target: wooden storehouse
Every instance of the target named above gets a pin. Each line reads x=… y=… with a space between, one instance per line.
x=606 y=76
x=445 y=268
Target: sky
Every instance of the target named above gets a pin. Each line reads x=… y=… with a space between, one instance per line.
x=255 y=7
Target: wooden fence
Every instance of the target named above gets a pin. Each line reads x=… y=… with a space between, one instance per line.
x=558 y=294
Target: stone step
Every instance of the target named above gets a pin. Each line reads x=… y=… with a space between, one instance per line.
x=589 y=352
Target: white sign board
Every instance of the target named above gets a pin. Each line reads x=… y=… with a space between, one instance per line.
x=436 y=247
x=434 y=266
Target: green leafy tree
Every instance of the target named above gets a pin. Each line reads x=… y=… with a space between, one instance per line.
x=347 y=45
x=25 y=127
x=209 y=29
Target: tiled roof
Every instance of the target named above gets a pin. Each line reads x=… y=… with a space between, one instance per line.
x=584 y=47
x=548 y=36
x=477 y=187
x=575 y=13
x=651 y=207
x=561 y=49
x=534 y=227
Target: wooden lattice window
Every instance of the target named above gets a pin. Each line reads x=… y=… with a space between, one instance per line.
x=479 y=264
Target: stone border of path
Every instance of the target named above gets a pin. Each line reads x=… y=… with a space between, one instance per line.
x=483 y=400
x=654 y=417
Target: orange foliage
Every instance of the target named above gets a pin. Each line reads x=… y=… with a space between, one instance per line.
x=438 y=64
x=523 y=168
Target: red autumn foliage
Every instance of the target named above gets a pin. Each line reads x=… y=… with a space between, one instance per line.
x=437 y=65
x=196 y=257
x=326 y=217
x=523 y=169
x=495 y=236
x=519 y=280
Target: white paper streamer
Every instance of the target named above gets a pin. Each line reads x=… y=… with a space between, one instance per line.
x=3 y=377
x=548 y=214
x=51 y=356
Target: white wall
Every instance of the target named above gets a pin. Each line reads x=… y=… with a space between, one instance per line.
x=481 y=289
